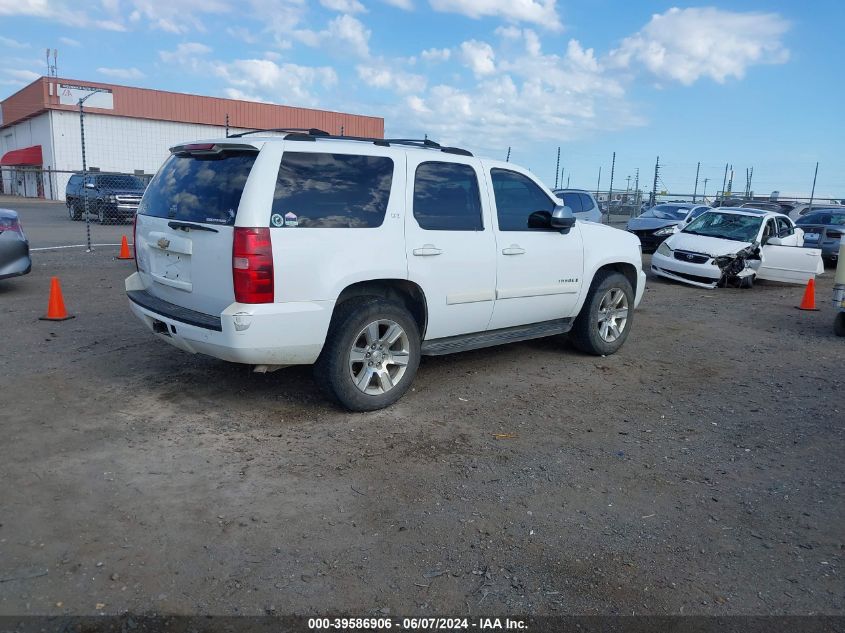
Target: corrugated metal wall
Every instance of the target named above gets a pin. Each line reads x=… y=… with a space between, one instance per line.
x=143 y=103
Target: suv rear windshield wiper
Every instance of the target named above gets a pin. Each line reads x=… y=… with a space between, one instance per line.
x=190 y=225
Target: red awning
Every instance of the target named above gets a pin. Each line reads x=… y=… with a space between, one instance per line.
x=25 y=156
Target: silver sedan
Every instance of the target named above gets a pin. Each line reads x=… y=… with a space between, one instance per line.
x=14 y=246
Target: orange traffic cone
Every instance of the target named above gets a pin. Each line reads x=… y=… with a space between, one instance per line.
x=56 y=307
x=124 y=250
x=809 y=300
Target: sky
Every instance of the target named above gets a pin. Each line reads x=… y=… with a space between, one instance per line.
x=753 y=84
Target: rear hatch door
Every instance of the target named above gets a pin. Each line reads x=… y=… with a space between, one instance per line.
x=185 y=225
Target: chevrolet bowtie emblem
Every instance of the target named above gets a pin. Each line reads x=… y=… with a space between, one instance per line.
x=163 y=242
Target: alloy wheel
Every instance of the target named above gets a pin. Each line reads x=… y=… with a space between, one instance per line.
x=612 y=314
x=379 y=357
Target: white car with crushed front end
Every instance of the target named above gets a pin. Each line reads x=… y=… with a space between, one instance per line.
x=768 y=244
x=361 y=255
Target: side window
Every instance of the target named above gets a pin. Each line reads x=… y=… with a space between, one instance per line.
x=784 y=227
x=518 y=198
x=586 y=202
x=315 y=190
x=446 y=197
x=697 y=212
x=573 y=201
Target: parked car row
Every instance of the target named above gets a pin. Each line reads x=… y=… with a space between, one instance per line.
x=109 y=198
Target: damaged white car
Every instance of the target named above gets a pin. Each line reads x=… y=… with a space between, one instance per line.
x=733 y=247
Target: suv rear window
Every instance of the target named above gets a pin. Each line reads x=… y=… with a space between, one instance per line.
x=196 y=188
x=315 y=190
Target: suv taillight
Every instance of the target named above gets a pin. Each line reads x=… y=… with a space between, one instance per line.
x=252 y=266
x=135 y=240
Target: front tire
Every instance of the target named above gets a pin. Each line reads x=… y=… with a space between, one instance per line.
x=73 y=211
x=371 y=354
x=606 y=318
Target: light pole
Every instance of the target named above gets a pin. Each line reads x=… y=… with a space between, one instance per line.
x=82 y=100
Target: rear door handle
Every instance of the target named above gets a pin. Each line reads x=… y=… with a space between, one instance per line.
x=513 y=249
x=427 y=250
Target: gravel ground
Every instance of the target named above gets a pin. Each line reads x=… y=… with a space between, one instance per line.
x=698 y=471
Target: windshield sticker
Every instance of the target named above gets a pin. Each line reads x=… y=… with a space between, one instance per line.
x=290 y=219
x=277 y=220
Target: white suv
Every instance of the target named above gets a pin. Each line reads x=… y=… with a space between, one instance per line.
x=361 y=255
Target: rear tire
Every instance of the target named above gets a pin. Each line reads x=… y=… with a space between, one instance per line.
x=839 y=324
x=606 y=318
x=73 y=211
x=101 y=215
x=371 y=354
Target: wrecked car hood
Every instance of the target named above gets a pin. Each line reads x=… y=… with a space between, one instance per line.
x=713 y=246
x=644 y=224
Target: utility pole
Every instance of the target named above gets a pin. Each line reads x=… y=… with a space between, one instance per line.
x=610 y=191
x=695 y=191
x=567 y=181
x=627 y=184
x=557 y=166
x=724 y=182
x=731 y=181
x=750 y=178
x=637 y=200
x=227 y=125
x=508 y=157
x=704 y=191
x=598 y=184
x=813 y=192
x=653 y=197
x=85 y=164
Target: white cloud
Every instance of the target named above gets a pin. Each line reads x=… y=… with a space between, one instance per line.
x=540 y=12
x=8 y=42
x=177 y=16
x=69 y=41
x=21 y=76
x=381 y=76
x=518 y=91
x=436 y=54
x=344 y=6
x=478 y=57
x=687 y=44
x=344 y=34
x=407 y=5
x=121 y=73
x=191 y=56
x=289 y=83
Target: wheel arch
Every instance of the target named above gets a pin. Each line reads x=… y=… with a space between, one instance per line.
x=406 y=292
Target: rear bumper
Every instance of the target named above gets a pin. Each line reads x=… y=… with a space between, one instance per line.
x=263 y=334
x=14 y=258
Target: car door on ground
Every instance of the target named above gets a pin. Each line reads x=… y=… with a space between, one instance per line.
x=539 y=270
x=450 y=244
x=789 y=261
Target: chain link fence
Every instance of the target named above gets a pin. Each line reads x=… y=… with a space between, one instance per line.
x=99 y=197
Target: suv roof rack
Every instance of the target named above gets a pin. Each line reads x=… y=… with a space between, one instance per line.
x=308 y=131
x=312 y=134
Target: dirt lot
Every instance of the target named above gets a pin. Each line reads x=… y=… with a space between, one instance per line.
x=699 y=470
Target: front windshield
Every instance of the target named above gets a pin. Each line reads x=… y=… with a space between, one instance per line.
x=666 y=212
x=120 y=181
x=728 y=226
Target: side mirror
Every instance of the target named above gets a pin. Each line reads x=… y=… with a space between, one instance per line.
x=774 y=241
x=562 y=219
x=89 y=185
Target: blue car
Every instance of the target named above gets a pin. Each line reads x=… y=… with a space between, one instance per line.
x=656 y=224
x=823 y=228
